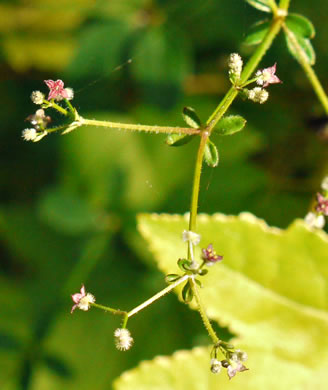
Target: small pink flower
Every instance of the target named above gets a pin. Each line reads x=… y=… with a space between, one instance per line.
x=322 y=204
x=57 y=90
x=210 y=256
x=82 y=300
x=267 y=76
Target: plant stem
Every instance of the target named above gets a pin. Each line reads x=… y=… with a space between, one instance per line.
x=109 y=309
x=157 y=296
x=309 y=71
x=196 y=183
x=56 y=107
x=135 y=127
x=202 y=312
x=284 y=4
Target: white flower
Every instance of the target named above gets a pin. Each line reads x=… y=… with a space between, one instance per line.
x=314 y=220
x=29 y=134
x=216 y=366
x=123 y=339
x=258 y=95
x=188 y=235
x=37 y=97
x=235 y=65
x=267 y=76
x=324 y=184
x=70 y=93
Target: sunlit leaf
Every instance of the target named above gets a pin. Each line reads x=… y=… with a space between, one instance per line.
x=211 y=154
x=230 y=124
x=191 y=118
x=300 y=48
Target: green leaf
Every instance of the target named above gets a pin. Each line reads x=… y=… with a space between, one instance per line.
x=191 y=118
x=178 y=139
x=58 y=366
x=257 y=32
x=300 y=26
x=230 y=124
x=211 y=154
x=170 y=278
x=191 y=370
x=300 y=48
x=186 y=293
x=251 y=289
x=262 y=5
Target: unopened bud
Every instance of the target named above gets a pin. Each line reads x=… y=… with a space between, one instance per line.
x=258 y=95
x=216 y=366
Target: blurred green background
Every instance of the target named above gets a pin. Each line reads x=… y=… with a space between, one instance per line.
x=68 y=204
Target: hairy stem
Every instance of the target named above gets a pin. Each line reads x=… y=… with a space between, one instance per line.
x=109 y=309
x=157 y=296
x=135 y=127
x=202 y=312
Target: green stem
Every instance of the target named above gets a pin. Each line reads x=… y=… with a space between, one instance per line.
x=196 y=183
x=109 y=309
x=134 y=127
x=56 y=107
x=247 y=72
x=157 y=296
x=202 y=312
x=303 y=60
x=284 y=4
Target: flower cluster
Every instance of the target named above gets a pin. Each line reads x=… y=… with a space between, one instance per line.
x=316 y=218
x=209 y=255
x=263 y=78
x=40 y=120
x=82 y=300
x=233 y=362
x=123 y=339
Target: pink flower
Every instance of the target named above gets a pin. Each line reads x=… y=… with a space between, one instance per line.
x=57 y=90
x=209 y=255
x=267 y=76
x=322 y=204
x=82 y=300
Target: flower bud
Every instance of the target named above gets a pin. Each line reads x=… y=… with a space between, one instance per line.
x=216 y=366
x=258 y=95
x=123 y=339
x=37 y=97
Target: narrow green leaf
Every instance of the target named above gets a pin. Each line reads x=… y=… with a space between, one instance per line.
x=300 y=25
x=300 y=47
x=187 y=294
x=262 y=5
x=191 y=118
x=170 y=278
x=178 y=139
x=257 y=32
x=184 y=264
x=230 y=124
x=211 y=154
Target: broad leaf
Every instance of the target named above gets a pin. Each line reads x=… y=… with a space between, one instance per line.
x=271 y=286
x=257 y=32
x=262 y=5
x=191 y=370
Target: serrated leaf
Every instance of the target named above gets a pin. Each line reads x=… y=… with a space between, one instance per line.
x=211 y=154
x=191 y=370
x=261 y=5
x=178 y=139
x=257 y=32
x=191 y=118
x=275 y=280
x=300 y=25
x=229 y=125
x=300 y=48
